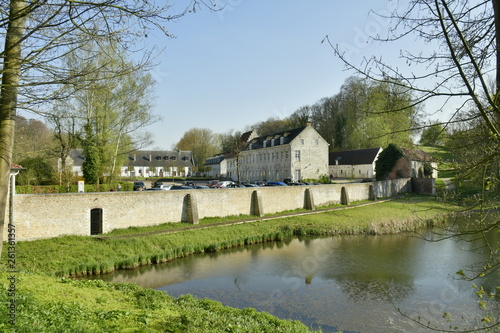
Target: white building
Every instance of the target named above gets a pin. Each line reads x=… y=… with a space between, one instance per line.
x=147 y=163
x=296 y=154
x=358 y=163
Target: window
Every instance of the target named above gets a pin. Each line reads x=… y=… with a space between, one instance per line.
x=297 y=155
x=317 y=142
x=302 y=141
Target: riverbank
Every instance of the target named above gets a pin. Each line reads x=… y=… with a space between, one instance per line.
x=46 y=298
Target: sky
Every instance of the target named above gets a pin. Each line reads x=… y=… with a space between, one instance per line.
x=253 y=60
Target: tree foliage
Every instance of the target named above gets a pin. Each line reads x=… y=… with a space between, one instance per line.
x=37 y=34
x=201 y=141
x=38 y=171
x=433 y=135
x=365 y=113
x=455 y=68
x=386 y=161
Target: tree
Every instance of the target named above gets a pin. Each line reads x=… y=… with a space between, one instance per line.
x=113 y=109
x=40 y=172
x=386 y=161
x=33 y=139
x=201 y=141
x=66 y=136
x=433 y=134
x=361 y=115
x=272 y=125
x=233 y=144
x=456 y=71
x=36 y=34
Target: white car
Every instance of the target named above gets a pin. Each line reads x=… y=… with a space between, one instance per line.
x=163 y=187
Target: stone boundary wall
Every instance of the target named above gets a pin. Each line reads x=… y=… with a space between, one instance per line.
x=51 y=215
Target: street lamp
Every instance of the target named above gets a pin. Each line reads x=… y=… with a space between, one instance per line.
x=14 y=170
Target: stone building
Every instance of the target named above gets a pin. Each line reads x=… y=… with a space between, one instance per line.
x=146 y=163
x=295 y=154
x=414 y=164
x=358 y=163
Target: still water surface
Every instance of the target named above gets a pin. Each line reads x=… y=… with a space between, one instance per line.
x=353 y=283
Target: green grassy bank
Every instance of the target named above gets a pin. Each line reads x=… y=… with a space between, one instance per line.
x=46 y=300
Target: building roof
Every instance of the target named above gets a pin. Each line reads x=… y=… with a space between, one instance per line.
x=160 y=158
x=417 y=154
x=147 y=158
x=354 y=157
x=275 y=139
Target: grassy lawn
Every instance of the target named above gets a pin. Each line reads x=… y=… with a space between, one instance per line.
x=446 y=160
x=47 y=301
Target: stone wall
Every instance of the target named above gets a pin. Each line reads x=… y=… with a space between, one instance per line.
x=50 y=215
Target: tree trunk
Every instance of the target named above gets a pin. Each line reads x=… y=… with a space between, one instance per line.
x=8 y=99
x=496 y=11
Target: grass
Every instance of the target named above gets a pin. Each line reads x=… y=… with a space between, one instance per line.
x=47 y=301
x=64 y=305
x=447 y=164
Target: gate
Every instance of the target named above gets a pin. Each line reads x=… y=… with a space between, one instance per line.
x=96 y=221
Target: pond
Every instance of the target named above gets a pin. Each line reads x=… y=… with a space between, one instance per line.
x=351 y=283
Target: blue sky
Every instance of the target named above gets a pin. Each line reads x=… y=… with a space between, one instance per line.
x=257 y=59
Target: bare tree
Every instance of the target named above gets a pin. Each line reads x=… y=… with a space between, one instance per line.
x=457 y=69
x=37 y=34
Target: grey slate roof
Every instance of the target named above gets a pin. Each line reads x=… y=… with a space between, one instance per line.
x=417 y=154
x=275 y=138
x=160 y=158
x=146 y=158
x=353 y=157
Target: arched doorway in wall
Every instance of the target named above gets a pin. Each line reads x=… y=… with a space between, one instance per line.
x=96 y=221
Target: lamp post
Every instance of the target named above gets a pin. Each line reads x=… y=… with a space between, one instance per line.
x=14 y=170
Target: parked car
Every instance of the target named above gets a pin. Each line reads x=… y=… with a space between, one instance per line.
x=222 y=184
x=201 y=187
x=139 y=186
x=250 y=185
x=163 y=187
x=235 y=185
x=211 y=183
x=275 y=184
x=181 y=187
x=156 y=183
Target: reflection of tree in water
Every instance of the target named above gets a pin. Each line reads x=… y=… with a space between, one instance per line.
x=364 y=287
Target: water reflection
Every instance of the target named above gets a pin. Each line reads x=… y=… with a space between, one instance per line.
x=353 y=283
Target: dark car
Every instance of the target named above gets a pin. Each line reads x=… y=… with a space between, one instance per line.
x=181 y=187
x=250 y=185
x=235 y=185
x=139 y=186
x=275 y=184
